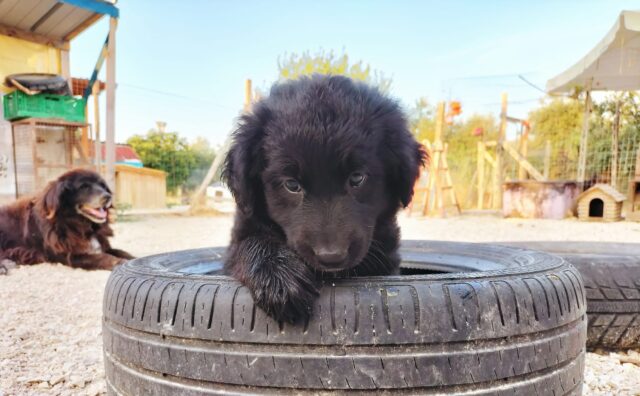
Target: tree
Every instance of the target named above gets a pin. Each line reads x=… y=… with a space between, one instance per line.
x=166 y=151
x=422 y=120
x=558 y=121
x=460 y=138
x=463 y=148
x=203 y=155
x=293 y=66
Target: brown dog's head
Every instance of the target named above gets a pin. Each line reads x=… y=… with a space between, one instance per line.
x=325 y=159
x=79 y=192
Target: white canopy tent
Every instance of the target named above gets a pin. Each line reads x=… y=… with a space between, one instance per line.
x=612 y=65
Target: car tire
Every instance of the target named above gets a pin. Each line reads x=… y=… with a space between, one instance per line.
x=611 y=273
x=485 y=320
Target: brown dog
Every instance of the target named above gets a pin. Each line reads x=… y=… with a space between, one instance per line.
x=68 y=223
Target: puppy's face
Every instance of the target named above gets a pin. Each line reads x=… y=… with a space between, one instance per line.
x=326 y=204
x=327 y=160
x=79 y=193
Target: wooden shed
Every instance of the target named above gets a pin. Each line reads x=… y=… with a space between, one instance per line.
x=600 y=203
x=141 y=188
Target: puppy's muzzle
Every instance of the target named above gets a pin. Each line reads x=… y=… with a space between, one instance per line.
x=331 y=257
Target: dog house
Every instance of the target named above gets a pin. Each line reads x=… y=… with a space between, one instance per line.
x=600 y=203
x=633 y=212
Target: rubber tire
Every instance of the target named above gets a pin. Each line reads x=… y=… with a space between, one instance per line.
x=611 y=273
x=516 y=325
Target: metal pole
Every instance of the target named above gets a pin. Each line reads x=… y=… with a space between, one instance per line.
x=584 y=138
x=614 y=146
x=110 y=155
x=499 y=180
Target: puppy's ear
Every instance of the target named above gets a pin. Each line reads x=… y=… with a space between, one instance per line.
x=51 y=197
x=403 y=157
x=244 y=162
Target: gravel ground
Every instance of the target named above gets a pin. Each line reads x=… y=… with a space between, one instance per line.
x=50 y=335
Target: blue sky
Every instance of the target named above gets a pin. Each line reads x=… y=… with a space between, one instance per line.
x=185 y=62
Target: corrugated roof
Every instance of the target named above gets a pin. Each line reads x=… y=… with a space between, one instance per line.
x=53 y=22
x=124 y=152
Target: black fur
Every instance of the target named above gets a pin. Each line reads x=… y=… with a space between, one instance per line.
x=324 y=133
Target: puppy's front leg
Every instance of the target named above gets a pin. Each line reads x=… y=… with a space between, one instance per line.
x=280 y=282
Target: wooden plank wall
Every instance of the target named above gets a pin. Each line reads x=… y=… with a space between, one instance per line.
x=142 y=188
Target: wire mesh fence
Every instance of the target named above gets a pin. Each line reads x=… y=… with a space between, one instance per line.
x=557 y=161
x=561 y=161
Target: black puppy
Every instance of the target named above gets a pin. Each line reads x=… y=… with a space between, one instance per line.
x=318 y=170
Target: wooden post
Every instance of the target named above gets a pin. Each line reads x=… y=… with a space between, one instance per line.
x=248 y=94
x=439 y=122
x=480 y=173
x=614 y=146
x=499 y=179
x=84 y=140
x=584 y=139
x=547 y=159
x=197 y=198
x=110 y=145
x=97 y=146
x=432 y=198
x=65 y=66
x=524 y=149
x=34 y=153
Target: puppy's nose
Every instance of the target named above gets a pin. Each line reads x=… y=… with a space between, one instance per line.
x=330 y=255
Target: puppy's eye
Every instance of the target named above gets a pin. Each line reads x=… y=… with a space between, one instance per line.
x=356 y=179
x=293 y=186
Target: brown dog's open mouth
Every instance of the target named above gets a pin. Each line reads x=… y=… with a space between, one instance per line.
x=97 y=215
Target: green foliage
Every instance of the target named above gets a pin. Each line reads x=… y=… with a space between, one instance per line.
x=463 y=148
x=600 y=135
x=422 y=120
x=560 y=122
x=604 y=113
x=294 y=65
x=167 y=151
x=204 y=155
x=462 y=144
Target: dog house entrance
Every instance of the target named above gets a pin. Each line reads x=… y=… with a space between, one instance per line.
x=596 y=208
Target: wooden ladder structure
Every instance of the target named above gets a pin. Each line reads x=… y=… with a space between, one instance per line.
x=439 y=196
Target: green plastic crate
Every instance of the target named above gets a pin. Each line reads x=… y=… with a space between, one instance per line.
x=18 y=105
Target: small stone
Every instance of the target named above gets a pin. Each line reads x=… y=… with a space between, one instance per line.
x=43 y=385
x=94 y=388
x=76 y=381
x=56 y=379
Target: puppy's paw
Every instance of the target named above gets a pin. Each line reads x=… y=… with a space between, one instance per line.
x=284 y=289
x=6 y=265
